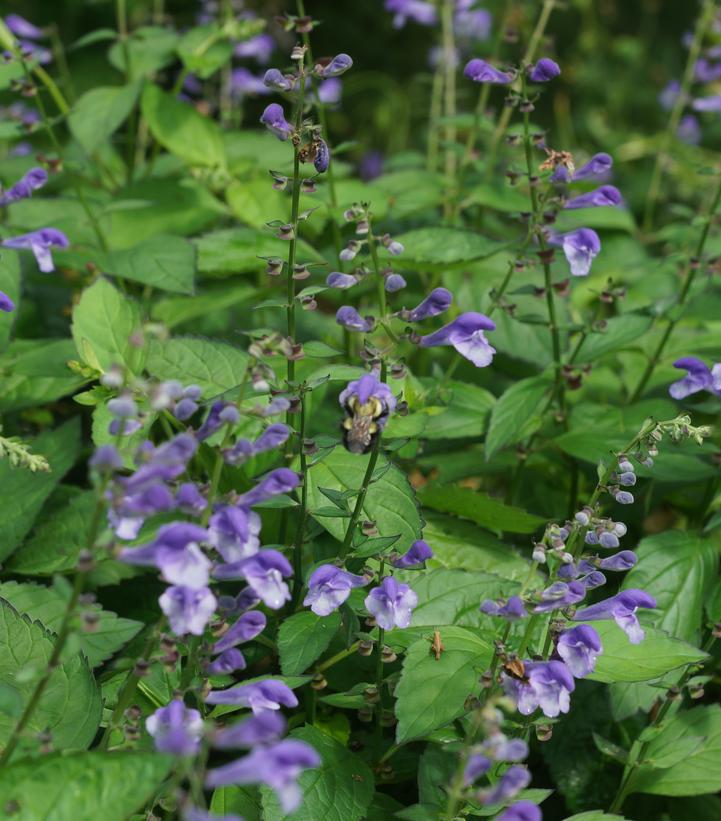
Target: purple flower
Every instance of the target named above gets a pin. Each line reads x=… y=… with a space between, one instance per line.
x=707 y=103
x=368 y=389
x=281 y=480
x=277 y=80
x=482 y=72
x=689 y=130
x=544 y=71
x=176 y=553
x=322 y=157
x=597 y=168
x=391 y=604
x=128 y=512
x=580 y=247
x=609 y=540
x=521 y=811
x=349 y=318
x=394 y=282
x=233 y=532
x=371 y=165
x=189 y=499
x=667 y=97
x=40 y=242
x=264 y=572
x=513 y=780
x=416 y=554
x=438 y=301
x=227 y=662
x=560 y=595
x=417 y=10
x=176 y=729
x=21 y=27
x=274 y=118
x=272 y=437
x=546 y=684
x=578 y=648
x=243 y=82
x=106 y=458
x=513 y=609
x=259 y=696
x=338 y=280
x=472 y=24
x=188 y=609
x=329 y=587
x=278 y=766
x=196 y=814
x=622 y=609
x=476 y=766
x=24 y=187
x=257 y=729
x=6 y=304
x=248 y=626
x=624 y=560
x=466 y=335
x=337 y=66
x=259 y=48
x=330 y=91
x=600 y=197
x=501 y=748
x=699 y=378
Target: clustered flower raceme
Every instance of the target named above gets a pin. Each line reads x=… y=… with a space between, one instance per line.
x=29 y=41
x=548 y=683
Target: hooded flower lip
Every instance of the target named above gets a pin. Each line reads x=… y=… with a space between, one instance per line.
x=579 y=648
x=707 y=103
x=40 y=242
x=699 y=377
x=420 y=11
x=544 y=71
x=337 y=66
x=328 y=587
x=546 y=684
x=262 y=728
x=348 y=317
x=560 y=595
x=6 y=304
x=275 y=483
x=597 y=168
x=580 y=247
x=21 y=27
x=176 y=729
x=264 y=572
x=278 y=766
x=24 y=187
x=258 y=696
x=521 y=811
x=416 y=554
x=175 y=553
x=272 y=437
x=274 y=119
x=622 y=609
x=391 y=604
x=513 y=780
x=605 y=195
x=624 y=560
x=277 y=80
x=248 y=626
x=437 y=302
x=466 y=335
x=234 y=532
x=227 y=662
x=512 y=609
x=188 y=609
x=338 y=280
x=482 y=72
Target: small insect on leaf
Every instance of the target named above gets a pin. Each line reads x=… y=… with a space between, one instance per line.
x=437 y=645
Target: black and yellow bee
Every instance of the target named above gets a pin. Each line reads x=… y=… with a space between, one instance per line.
x=363 y=423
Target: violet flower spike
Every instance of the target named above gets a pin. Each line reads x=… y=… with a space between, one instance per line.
x=580 y=247
x=260 y=696
x=437 y=302
x=622 y=561
x=466 y=335
x=476 y=766
x=338 y=280
x=274 y=119
x=622 y=609
x=337 y=66
x=40 y=242
x=578 y=648
x=329 y=586
x=416 y=554
x=264 y=572
x=391 y=604
x=248 y=626
x=511 y=610
x=560 y=595
x=521 y=811
x=176 y=729
x=277 y=80
x=349 y=318
x=175 y=553
x=275 y=483
x=262 y=728
x=544 y=71
x=24 y=187
x=188 y=609
x=606 y=195
x=227 y=662
x=513 y=780
x=699 y=377
x=548 y=685
x=482 y=72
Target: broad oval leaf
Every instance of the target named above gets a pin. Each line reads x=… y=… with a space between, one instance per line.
x=516 y=414
x=100 y=112
x=302 y=638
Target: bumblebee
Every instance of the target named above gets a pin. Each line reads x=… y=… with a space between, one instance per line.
x=362 y=424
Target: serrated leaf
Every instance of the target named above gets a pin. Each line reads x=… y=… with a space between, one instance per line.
x=47 y=605
x=58 y=787
x=479 y=508
x=340 y=789
x=302 y=638
x=432 y=692
x=164 y=262
x=390 y=501
x=436 y=247
x=618 y=333
x=513 y=414
x=70 y=707
x=466 y=414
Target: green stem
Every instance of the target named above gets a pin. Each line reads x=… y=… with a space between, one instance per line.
x=702 y=25
x=300 y=529
x=449 y=104
x=689 y=276
x=343 y=654
x=347 y=541
x=380 y=281
x=433 y=117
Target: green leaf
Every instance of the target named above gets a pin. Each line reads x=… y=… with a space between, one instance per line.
x=479 y=508
x=432 y=692
x=204 y=50
x=215 y=366
x=178 y=310
x=516 y=414
x=618 y=333
x=453 y=596
x=594 y=815
x=165 y=262
x=302 y=638
x=70 y=707
x=10 y=285
x=436 y=247
x=103 y=322
x=243 y=801
x=465 y=416
x=655 y=656
x=341 y=789
x=58 y=787
x=699 y=771
x=390 y=501
x=23 y=493
x=100 y=112
x=179 y=128
x=47 y=605
x=150 y=48
x=677 y=568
